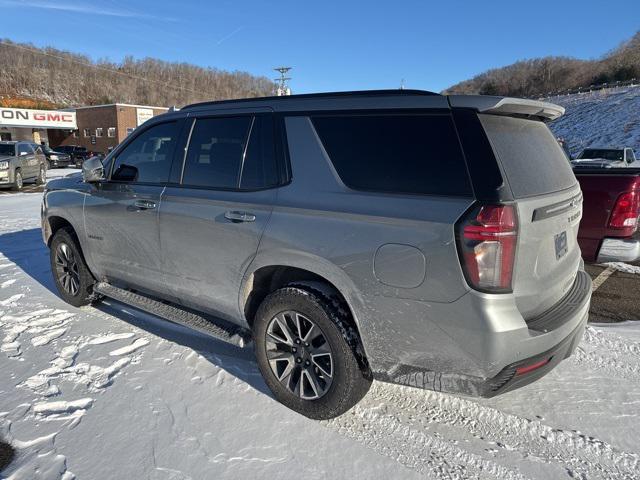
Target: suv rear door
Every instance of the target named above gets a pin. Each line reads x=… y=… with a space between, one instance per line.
x=212 y=217
x=121 y=213
x=549 y=208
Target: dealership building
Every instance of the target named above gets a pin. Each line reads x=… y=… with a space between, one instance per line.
x=96 y=127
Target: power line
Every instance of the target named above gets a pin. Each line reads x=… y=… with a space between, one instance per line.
x=98 y=67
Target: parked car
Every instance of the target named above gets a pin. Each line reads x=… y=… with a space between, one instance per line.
x=78 y=154
x=21 y=162
x=605 y=158
x=609 y=228
x=399 y=235
x=56 y=159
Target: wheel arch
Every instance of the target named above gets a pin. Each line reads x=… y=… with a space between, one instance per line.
x=267 y=275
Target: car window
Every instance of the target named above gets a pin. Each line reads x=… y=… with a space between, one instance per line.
x=7 y=149
x=215 y=152
x=411 y=154
x=24 y=147
x=148 y=157
x=259 y=169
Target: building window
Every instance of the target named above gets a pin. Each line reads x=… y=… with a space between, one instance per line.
x=98 y=132
x=86 y=133
x=130 y=130
x=111 y=132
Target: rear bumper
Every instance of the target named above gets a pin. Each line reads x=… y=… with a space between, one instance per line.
x=474 y=345
x=619 y=250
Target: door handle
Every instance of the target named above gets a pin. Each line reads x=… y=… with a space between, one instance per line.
x=144 y=205
x=235 y=216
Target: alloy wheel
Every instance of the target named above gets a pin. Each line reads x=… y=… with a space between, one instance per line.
x=299 y=355
x=19 y=181
x=67 y=269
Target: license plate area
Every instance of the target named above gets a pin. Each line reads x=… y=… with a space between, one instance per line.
x=561 y=244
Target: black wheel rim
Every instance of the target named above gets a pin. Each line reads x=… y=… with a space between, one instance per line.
x=299 y=355
x=67 y=269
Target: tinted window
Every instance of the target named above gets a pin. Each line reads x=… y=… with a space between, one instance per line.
x=215 y=152
x=531 y=157
x=7 y=149
x=148 y=157
x=259 y=169
x=415 y=154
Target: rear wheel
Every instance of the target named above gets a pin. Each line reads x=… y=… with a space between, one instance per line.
x=70 y=272
x=18 y=184
x=304 y=356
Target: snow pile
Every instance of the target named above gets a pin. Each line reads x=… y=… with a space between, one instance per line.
x=104 y=393
x=604 y=118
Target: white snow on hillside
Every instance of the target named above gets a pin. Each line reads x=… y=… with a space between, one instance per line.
x=603 y=118
x=112 y=393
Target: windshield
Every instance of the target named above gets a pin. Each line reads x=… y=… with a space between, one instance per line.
x=7 y=149
x=606 y=154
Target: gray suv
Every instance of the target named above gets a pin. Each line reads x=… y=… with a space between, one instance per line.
x=404 y=236
x=21 y=162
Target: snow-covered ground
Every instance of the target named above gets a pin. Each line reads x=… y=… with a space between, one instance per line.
x=111 y=393
x=604 y=118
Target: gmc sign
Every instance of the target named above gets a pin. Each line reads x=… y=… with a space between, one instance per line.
x=22 y=117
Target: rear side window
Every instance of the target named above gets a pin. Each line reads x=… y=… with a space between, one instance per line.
x=259 y=169
x=215 y=153
x=409 y=154
x=531 y=158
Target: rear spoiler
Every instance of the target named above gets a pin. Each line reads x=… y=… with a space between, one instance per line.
x=507 y=106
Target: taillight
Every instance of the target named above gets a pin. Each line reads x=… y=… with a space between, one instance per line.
x=487 y=240
x=626 y=211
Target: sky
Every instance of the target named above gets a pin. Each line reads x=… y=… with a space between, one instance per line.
x=331 y=45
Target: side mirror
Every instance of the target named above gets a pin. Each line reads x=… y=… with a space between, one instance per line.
x=92 y=170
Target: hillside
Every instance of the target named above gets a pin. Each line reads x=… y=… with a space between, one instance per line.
x=63 y=79
x=609 y=117
x=541 y=76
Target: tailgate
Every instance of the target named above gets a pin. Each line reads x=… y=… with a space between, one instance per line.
x=549 y=206
x=547 y=255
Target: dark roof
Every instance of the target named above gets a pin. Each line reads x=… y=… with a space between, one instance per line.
x=320 y=96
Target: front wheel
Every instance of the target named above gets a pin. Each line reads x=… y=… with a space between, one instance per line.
x=18 y=184
x=42 y=175
x=304 y=356
x=70 y=272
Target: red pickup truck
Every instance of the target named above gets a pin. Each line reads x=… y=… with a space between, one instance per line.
x=611 y=207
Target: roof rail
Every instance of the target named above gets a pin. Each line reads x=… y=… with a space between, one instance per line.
x=355 y=93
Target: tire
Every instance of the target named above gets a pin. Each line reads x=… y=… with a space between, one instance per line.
x=70 y=272
x=42 y=176
x=331 y=385
x=18 y=183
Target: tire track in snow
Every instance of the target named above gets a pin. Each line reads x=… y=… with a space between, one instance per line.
x=583 y=456
x=414 y=448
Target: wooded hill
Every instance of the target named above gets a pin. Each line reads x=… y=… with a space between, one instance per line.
x=55 y=78
x=540 y=76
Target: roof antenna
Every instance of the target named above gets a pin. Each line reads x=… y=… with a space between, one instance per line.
x=402 y=84
x=282 y=88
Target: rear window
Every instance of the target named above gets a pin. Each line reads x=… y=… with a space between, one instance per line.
x=408 y=154
x=531 y=158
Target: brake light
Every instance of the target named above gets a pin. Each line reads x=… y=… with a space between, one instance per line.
x=534 y=366
x=487 y=239
x=626 y=211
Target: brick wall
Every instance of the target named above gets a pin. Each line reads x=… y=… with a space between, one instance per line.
x=121 y=117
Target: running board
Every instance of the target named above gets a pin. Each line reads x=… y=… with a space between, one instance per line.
x=230 y=334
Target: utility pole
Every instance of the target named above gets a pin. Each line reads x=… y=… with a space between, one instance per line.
x=283 y=88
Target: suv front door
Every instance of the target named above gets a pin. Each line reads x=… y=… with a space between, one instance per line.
x=27 y=161
x=212 y=219
x=121 y=213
